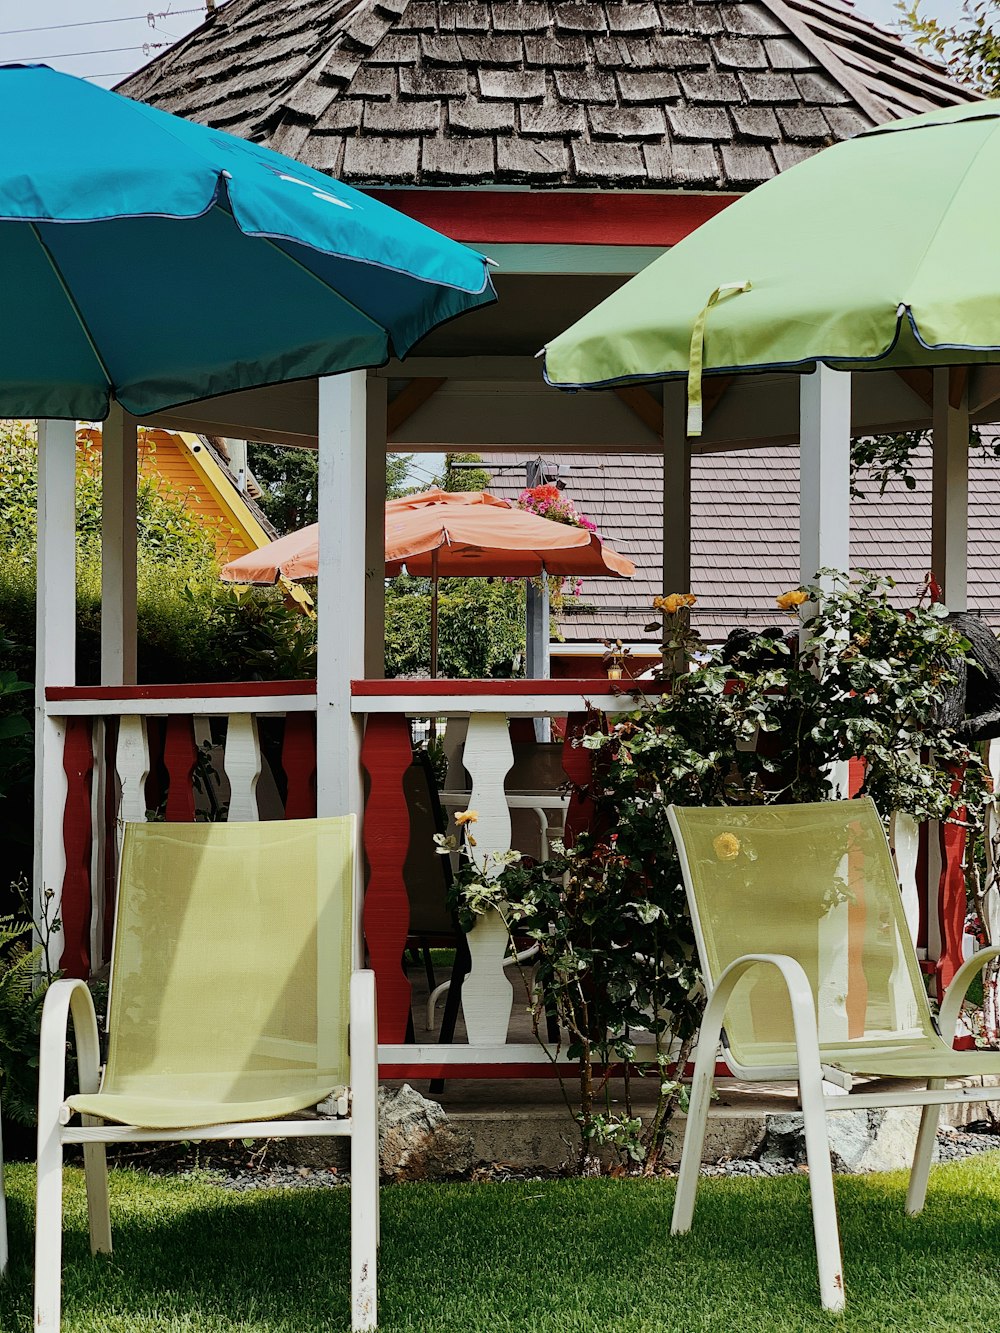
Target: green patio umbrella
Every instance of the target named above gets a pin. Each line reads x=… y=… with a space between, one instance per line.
x=876 y=253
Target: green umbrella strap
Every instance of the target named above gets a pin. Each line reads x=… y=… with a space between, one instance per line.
x=696 y=359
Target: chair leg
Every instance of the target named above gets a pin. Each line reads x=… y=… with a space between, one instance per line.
x=824 y=1205
x=95 y=1171
x=694 y=1132
x=48 y=1227
x=916 y=1192
x=364 y=1155
x=425 y=950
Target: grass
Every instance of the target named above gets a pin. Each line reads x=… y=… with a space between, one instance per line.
x=554 y=1257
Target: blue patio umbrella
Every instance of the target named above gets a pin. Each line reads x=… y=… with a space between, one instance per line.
x=150 y=260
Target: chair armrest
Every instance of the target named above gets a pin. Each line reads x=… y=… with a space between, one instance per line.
x=951 y=1005
x=800 y=995
x=63 y=998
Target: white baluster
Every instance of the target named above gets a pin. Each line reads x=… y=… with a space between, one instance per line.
x=904 y=840
x=991 y=893
x=991 y=881
x=243 y=765
x=132 y=764
x=487 y=995
x=933 y=889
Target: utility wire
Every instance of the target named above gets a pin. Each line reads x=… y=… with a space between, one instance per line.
x=145 y=48
x=150 y=18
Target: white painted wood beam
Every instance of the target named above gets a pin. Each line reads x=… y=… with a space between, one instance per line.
x=376 y=434
x=825 y=472
x=340 y=628
x=950 y=490
x=118 y=548
x=676 y=491
x=55 y=657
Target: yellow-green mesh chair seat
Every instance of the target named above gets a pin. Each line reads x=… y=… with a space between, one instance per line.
x=815 y=882
x=230 y=973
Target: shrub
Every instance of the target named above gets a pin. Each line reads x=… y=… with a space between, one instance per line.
x=754 y=724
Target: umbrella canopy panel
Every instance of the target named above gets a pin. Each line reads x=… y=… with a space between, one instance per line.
x=261 y=269
x=876 y=252
x=445 y=534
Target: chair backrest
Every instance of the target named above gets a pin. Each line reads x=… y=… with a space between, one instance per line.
x=232 y=958
x=816 y=882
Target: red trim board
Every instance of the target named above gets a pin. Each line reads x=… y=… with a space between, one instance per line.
x=514 y=689
x=225 y=689
x=558 y=217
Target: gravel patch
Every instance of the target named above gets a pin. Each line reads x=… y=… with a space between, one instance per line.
x=235 y=1167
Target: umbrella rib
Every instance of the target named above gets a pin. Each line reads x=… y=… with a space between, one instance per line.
x=73 y=305
x=322 y=282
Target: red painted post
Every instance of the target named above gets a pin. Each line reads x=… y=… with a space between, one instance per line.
x=75 y=909
x=386 y=754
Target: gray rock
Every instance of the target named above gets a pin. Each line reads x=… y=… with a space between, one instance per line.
x=859 y=1140
x=417 y=1141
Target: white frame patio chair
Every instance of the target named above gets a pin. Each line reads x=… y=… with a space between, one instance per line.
x=234 y=991
x=812 y=975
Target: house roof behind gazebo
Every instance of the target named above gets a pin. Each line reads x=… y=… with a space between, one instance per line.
x=681 y=94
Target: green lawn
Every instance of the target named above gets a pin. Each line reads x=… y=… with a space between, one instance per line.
x=566 y=1256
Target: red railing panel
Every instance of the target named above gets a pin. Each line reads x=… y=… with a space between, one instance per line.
x=386 y=754
x=75 y=908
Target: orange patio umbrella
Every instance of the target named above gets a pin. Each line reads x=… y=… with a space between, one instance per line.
x=443 y=534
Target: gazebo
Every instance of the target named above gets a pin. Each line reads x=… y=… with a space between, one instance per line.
x=572 y=142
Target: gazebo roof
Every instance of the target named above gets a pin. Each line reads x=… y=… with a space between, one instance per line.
x=681 y=94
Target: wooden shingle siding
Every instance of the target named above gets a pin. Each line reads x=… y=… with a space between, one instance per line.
x=745 y=536
x=546 y=95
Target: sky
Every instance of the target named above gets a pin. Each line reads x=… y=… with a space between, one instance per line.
x=104 y=40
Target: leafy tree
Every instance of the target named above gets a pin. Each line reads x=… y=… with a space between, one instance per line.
x=461 y=478
x=970 y=47
x=288 y=479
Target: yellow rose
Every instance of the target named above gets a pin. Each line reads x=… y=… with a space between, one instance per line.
x=789 y=600
x=467 y=817
x=726 y=846
x=674 y=601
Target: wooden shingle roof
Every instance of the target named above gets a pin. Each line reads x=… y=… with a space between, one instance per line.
x=745 y=536
x=690 y=94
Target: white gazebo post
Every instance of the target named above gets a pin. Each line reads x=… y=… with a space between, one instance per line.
x=950 y=485
x=340 y=636
x=376 y=431
x=118 y=548
x=949 y=554
x=119 y=535
x=55 y=658
x=825 y=485
x=676 y=489
x=824 y=472
x=825 y=543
